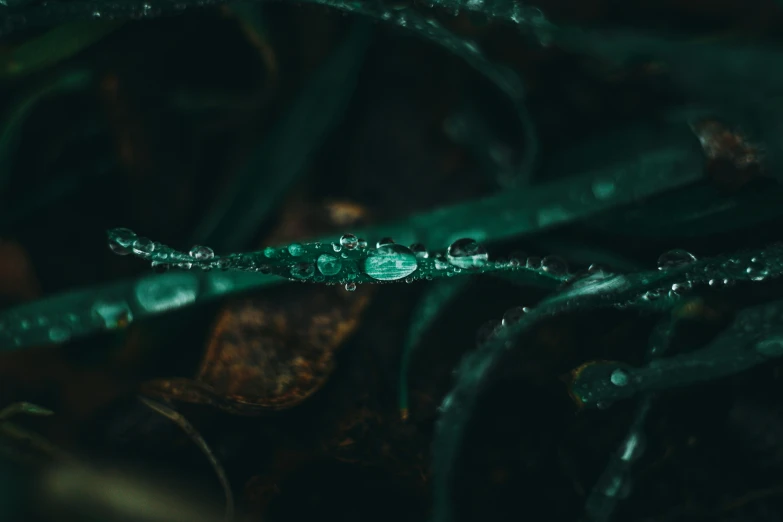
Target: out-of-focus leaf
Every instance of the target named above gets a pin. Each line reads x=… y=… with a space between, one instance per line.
x=512 y=213
x=54 y=46
x=282 y=156
x=435 y=298
x=12 y=126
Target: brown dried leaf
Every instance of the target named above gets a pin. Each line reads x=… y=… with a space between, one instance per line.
x=271 y=352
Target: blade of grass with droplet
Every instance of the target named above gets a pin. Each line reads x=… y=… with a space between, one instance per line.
x=512 y=213
x=53 y=47
x=284 y=154
x=11 y=130
x=436 y=297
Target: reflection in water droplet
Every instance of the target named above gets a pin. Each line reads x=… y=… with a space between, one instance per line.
x=201 y=253
x=420 y=251
x=384 y=241
x=467 y=253
x=390 y=262
x=362 y=243
x=349 y=241
x=295 y=249
x=329 y=265
x=674 y=259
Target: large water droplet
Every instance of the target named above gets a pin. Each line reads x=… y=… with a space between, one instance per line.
x=329 y=265
x=554 y=265
x=143 y=246
x=467 y=253
x=349 y=241
x=121 y=240
x=390 y=262
x=295 y=249
x=202 y=253
x=675 y=258
x=302 y=270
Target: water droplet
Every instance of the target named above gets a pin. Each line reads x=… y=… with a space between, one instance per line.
x=270 y=252
x=756 y=270
x=409 y=279
x=59 y=334
x=96 y=14
x=159 y=267
x=772 y=347
x=420 y=251
x=302 y=270
x=384 y=241
x=679 y=289
x=329 y=265
x=119 y=249
x=440 y=264
x=350 y=286
x=202 y=253
x=513 y=315
x=619 y=377
x=222 y=263
x=487 y=331
x=336 y=247
x=675 y=258
x=603 y=189
x=554 y=265
x=390 y=262
x=362 y=243
x=533 y=262
x=295 y=249
x=467 y=253
x=143 y=247
x=349 y=241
